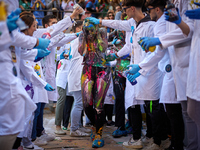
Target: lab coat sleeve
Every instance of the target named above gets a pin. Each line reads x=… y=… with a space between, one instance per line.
x=152 y=60
x=55 y=28
x=24 y=41
x=5 y=37
x=123 y=25
x=66 y=39
x=29 y=55
x=31 y=75
x=126 y=49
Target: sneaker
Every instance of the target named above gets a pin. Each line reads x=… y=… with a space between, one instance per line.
x=40 y=142
x=59 y=132
x=129 y=130
x=127 y=125
x=165 y=143
x=119 y=133
x=98 y=142
x=83 y=129
x=47 y=137
x=112 y=123
x=33 y=147
x=79 y=133
x=147 y=140
x=154 y=146
x=133 y=144
x=64 y=128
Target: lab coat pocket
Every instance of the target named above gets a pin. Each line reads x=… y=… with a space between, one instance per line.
x=14 y=91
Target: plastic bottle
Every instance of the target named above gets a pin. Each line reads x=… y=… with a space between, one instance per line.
x=3 y=13
x=151 y=49
x=173 y=14
x=77 y=5
x=134 y=82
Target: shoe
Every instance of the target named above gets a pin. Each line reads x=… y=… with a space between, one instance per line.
x=147 y=140
x=165 y=143
x=33 y=147
x=40 y=142
x=119 y=133
x=133 y=144
x=112 y=123
x=64 y=128
x=79 y=133
x=129 y=130
x=59 y=132
x=47 y=137
x=98 y=142
x=127 y=125
x=85 y=130
x=154 y=146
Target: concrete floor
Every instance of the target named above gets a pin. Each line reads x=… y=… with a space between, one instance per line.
x=65 y=142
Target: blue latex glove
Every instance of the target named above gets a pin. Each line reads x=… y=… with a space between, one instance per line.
x=131 y=77
x=134 y=68
x=77 y=34
x=11 y=23
x=48 y=87
x=108 y=64
x=14 y=13
x=125 y=56
x=195 y=13
x=41 y=54
x=177 y=21
x=114 y=40
x=62 y=55
x=43 y=43
x=149 y=41
x=111 y=57
x=93 y=20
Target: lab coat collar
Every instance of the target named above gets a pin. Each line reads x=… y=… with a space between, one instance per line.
x=145 y=19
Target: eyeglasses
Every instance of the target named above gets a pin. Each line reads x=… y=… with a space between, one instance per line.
x=111 y=15
x=149 y=9
x=124 y=9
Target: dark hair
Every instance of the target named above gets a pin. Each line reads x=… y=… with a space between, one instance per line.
x=156 y=3
x=28 y=19
x=47 y=18
x=101 y=2
x=136 y=3
x=78 y=24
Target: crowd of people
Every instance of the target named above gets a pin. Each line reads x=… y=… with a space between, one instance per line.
x=102 y=58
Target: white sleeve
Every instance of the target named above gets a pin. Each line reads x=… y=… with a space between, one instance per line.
x=124 y=25
x=126 y=49
x=29 y=55
x=5 y=37
x=66 y=39
x=24 y=41
x=31 y=75
x=56 y=28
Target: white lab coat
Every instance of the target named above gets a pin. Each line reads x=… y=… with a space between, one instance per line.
x=63 y=69
x=76 y=67
x=13 y=96
x=193 y=83
x=179 y=52
x=148 y=86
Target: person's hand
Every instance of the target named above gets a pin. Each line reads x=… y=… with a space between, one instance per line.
x=62 y=55
x=134 y=68
x=114 y=40
x=111 y=57
x=193 y=14
x=131 y=77
x=149 y=41
x=94 y=20
x=11 y=24
x=48 y=87
x=77 y=34
x=41 y=54
x=14 y=13
x=76 y=12
x=167 y=17
x=43 y=43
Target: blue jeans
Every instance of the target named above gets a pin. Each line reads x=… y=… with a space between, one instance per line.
x=38 y=121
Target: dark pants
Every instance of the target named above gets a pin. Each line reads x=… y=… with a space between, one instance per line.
x=108 y=109
x=174 y=113
x=158 y=120
x=38 y=121
x=135 y=119
x=67 y=110
x=149 y=133
x=119 y=90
